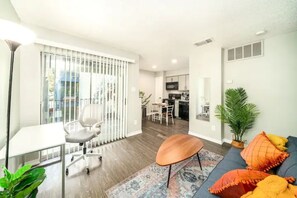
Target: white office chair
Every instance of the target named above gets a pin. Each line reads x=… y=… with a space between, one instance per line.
x=87 y=127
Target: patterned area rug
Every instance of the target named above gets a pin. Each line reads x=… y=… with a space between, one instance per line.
x=186 y=178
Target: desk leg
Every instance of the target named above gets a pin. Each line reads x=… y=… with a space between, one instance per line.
x=63 y=169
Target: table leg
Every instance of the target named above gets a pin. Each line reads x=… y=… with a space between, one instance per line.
x=199 y=161
x=63 y=169
x=168 y=175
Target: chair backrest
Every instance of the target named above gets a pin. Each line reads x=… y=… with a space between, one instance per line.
x=170 y=109
x=91 y=114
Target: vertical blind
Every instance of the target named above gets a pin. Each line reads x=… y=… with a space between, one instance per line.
x=72 y=79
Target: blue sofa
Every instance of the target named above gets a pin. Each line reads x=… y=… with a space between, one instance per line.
x=233 y=160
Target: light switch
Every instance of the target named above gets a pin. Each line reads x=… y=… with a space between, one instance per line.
x=213 y=128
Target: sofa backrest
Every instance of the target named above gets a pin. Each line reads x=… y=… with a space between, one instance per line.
x=289 y=166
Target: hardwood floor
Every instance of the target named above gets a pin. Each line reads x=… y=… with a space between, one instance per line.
x=120 y=160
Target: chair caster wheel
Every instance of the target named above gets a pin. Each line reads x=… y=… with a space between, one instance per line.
x=72 y=158
x=88 y=171
x=67 y=171
x=100 y=158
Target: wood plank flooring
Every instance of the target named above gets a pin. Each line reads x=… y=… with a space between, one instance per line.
x=121 y=159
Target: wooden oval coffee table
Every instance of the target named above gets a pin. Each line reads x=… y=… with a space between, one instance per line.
x=177 y=148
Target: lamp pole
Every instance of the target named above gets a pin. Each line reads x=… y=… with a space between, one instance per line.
x=13 y=47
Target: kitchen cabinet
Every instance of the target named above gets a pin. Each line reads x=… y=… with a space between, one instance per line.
x=182 y=82
x=172 y=79
x=187 y=81
x=184 y=110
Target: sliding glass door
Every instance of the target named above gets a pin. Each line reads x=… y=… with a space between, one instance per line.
x=73 y=79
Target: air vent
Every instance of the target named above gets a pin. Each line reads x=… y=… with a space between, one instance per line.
x=245 y=51
x=206 y=41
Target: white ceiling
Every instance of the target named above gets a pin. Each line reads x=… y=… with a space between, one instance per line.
x=161 y=30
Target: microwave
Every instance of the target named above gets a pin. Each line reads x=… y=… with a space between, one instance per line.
x=172 y=86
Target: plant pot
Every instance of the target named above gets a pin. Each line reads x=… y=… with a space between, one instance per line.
x=237 y=144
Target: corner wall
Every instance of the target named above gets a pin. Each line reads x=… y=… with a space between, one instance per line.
x=271 y=83
x=147 y=83
x=206 y=61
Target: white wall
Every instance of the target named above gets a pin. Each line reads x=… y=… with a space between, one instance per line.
x=30 y=76
x=206 y=62
x=160 y=86
x=7 y=11
x=271 y=83
x=147 y=84
x=177 y=72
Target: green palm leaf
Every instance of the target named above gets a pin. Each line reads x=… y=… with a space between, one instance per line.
x=239 y=115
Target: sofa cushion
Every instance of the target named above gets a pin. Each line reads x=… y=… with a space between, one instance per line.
x=262 y=155
x=236 y=183
x=231 y=161
x=289 y=166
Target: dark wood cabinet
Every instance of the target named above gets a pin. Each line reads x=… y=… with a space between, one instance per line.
x=184 y=110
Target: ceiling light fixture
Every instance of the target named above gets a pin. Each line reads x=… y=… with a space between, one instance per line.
x=261 y=32
x=154 y=66
x=173 y=61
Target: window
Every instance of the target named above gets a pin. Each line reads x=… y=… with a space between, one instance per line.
x=72 y=79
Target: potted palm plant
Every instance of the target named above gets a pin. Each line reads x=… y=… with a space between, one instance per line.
x=237 y=113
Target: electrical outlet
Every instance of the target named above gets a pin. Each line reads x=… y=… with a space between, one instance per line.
x=135 y=122
x=213 y=128
x=229 y=81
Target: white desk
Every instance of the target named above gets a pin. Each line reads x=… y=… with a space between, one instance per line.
x=38 y=138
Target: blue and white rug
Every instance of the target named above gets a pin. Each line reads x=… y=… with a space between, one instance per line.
x=186 y=178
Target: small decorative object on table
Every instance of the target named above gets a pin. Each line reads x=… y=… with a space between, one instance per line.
x=237 y=113
x=23 y=183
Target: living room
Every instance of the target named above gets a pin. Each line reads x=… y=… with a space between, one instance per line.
x=102 y=52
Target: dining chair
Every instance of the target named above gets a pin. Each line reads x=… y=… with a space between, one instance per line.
x=152 y=112
x=169 y=114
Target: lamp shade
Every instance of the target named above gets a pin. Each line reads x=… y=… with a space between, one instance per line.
x=14 y=32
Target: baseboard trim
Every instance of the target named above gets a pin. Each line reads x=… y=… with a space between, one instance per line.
x=206 y=138
x=227 y=140
x=134 y=133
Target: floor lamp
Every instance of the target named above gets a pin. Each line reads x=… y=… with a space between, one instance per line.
x=14 y=35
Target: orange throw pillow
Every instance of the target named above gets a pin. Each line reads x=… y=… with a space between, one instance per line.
x=262 y=155
x=237 y=182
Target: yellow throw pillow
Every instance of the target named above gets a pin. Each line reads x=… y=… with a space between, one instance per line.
x=278 y=141
x=274 y=187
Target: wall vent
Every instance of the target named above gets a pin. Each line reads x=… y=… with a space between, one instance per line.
x=203 y=42
x=245 y=51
